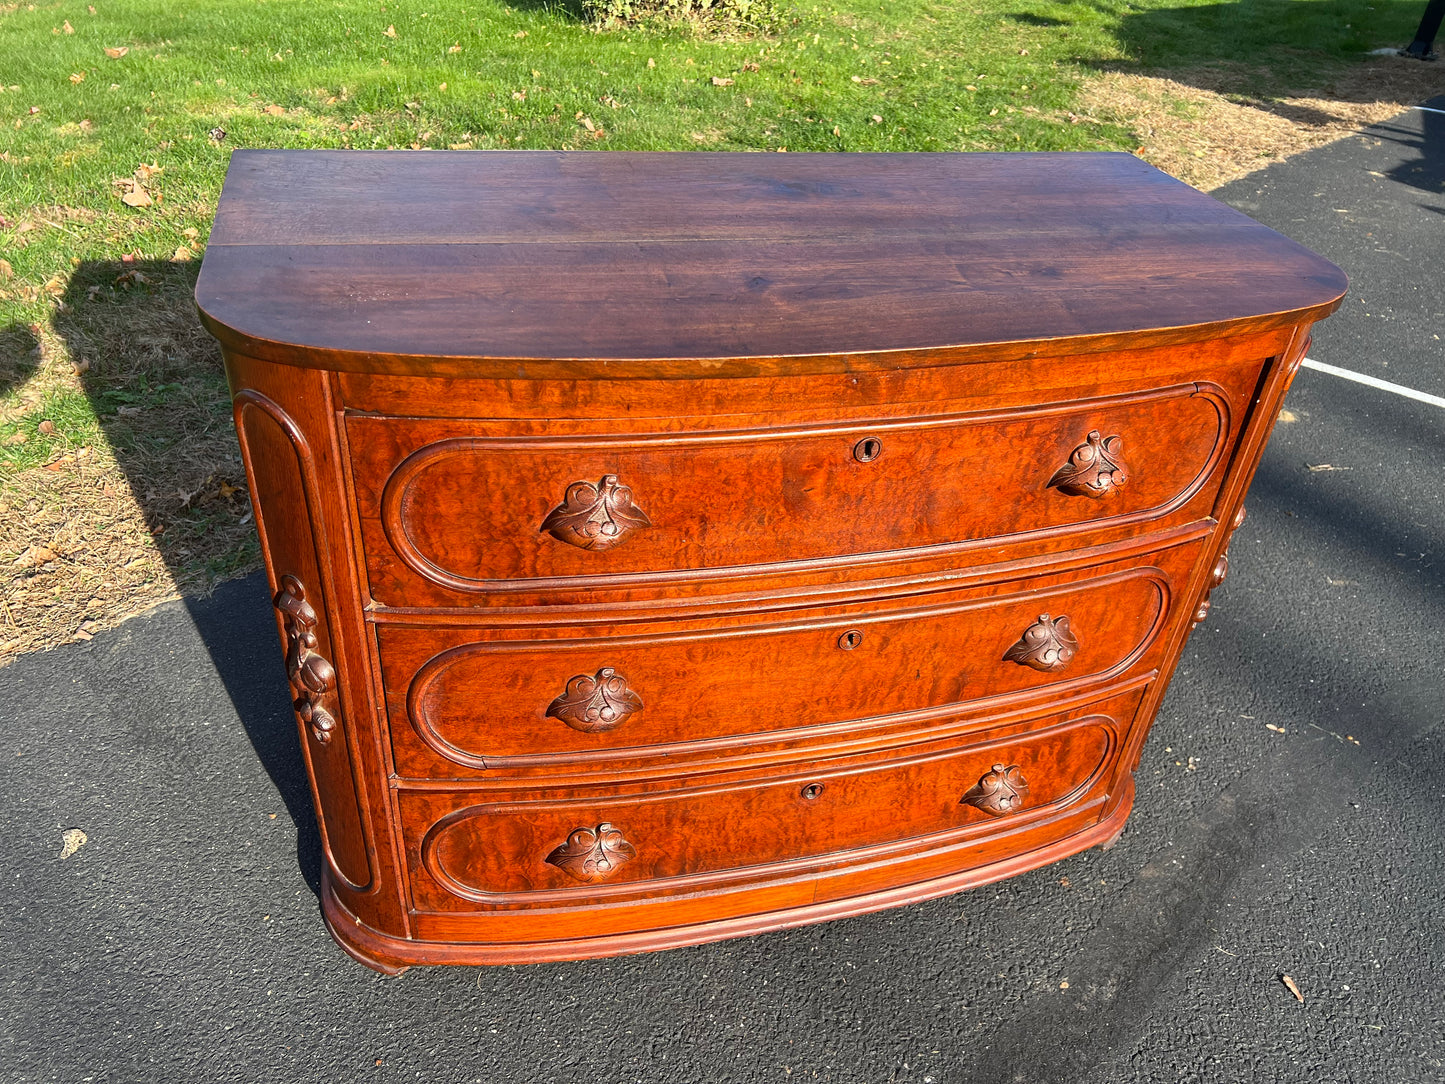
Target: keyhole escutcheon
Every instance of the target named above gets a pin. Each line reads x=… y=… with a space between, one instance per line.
x=867 y=449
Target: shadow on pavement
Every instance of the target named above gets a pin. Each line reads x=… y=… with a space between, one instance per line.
x=1428 y=172
x=155 y=381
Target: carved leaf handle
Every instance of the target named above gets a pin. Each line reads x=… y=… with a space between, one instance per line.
x=593 y=704
x=1095 y=468
x=999 y=792
x=592 y=854
x=310 y=674
x=1047 y=645
x=595 y=517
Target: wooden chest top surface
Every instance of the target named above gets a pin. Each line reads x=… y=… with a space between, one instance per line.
x=558 y=264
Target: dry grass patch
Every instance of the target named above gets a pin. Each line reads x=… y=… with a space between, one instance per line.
x=1194 y=127
x=123 y=484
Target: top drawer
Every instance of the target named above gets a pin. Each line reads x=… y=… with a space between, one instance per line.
x=452 y=509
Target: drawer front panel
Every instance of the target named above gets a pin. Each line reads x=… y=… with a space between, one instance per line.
x=598 y=848
x=461 y=706
x=454 y=506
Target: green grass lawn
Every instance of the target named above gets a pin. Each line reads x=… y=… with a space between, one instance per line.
x=117 y=118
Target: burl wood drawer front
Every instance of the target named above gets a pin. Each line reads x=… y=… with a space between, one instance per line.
x=451 y=509
x=462 y=704
x=596 y=847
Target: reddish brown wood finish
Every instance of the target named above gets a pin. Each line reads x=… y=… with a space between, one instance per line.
x=673 y=547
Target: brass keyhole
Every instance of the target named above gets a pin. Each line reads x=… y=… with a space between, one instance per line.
x=867 y=449
x=812 y=790
x=850 y=639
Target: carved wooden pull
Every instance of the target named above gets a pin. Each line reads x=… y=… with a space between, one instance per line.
x=595 y=517
x=592 y=854
x=1001 y=791
x=311 y=676
x=597 y=703
x=1095 y=468
x=1048 y=645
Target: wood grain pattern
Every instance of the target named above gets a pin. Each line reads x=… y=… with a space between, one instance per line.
x=460 y=510
x=567 y=259
x=500 y=854
x=674 y=547
x=464 y=702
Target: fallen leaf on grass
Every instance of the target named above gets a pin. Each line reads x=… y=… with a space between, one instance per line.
x=182 y=254
x=117 y=53
x=127 y=279
x=455 y=48
x=6 y=271
x=72 y=841
x=133 y=190
x=77 y=77
x=68 y=28
x=390 y=31
x=1293 y=988
x=275 y=110
x=47 y=427
x=216 y=135
x=717 y=81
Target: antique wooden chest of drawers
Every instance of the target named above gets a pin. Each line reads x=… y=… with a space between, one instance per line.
x=674 y=547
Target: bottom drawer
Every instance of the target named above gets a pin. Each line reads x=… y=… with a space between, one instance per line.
x=805 y=831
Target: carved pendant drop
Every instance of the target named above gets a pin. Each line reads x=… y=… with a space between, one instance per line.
x=311 y=675
x=1046 y=645
x=596 y=703
x=1218 y=573
x=595 y=517
x=1095 y=468
x=592 y=854
x=1001 y=791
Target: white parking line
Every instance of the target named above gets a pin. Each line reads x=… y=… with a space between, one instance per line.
x=1428 y=109
x=1375 y=382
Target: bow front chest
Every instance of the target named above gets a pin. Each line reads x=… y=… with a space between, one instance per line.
x=669 y=547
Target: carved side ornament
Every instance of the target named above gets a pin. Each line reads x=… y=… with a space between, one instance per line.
x=597 y=703
x=592 y=854
x=1000 y=792
x=311 y=676
x=595 y=517
x=1046 y=645
x=1218 y=573
x=1095 y=468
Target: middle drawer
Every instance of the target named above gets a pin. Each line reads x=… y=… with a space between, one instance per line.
x=472 y=702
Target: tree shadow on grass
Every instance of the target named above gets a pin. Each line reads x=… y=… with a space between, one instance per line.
x=155 y=382
x=1265 y=41
x=19 y=356
x=1257 y=51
